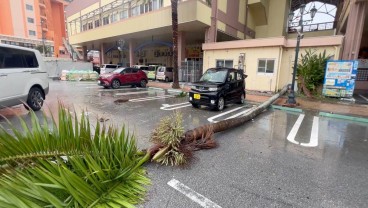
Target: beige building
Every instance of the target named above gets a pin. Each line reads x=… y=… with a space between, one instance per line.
x=255 y=35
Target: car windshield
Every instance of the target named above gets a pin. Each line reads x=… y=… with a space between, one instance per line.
x=213 y=75
x=118 y=70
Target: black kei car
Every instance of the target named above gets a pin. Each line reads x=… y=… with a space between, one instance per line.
x=218 y=87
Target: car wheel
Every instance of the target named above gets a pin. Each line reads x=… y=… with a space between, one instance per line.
x=220 y=104
x=195 y=105
x=143 y=83
x=35 y=99
x=242 y=99
x=115 y=84
x=166 y=79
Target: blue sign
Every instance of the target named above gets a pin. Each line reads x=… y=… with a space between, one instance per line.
x=340 y=78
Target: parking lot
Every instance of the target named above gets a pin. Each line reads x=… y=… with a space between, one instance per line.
x=279 y=159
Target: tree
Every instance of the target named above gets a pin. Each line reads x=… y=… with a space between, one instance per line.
x=174 y=18
x=311 y=71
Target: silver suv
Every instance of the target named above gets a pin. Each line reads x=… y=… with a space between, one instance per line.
x=23 y=77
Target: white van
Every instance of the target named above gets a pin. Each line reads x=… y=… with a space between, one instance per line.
x=107 y=68
x=23 y=77
x=165 y=73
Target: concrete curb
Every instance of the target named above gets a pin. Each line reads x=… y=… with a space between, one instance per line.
x=338 y=116
x=298 y=110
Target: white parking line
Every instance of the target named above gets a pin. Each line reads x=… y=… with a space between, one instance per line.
x=211 y=119
x=131 y=93
x=239 y=114
x=294 y=130
x=94 y=87
x=151 y=98
x=191 y=194
x=366 y=99
x=313 y=141
x=175 y=106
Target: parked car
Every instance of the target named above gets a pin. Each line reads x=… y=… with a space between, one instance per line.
x=123 y=76
x=23 y=77
x=218 y=87
x=144 y=68
x=164 y=73
x=107 y=68
x=152 y=70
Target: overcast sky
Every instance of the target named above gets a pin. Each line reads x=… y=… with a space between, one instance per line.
x=321 y=15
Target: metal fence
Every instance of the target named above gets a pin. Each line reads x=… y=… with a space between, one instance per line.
x=190 y=71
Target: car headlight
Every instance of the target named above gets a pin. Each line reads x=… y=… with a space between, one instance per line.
x=212 y=89
x=193 y=87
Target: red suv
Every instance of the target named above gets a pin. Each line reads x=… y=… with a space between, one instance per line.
x=123 y=76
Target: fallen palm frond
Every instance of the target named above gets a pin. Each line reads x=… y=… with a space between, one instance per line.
x=67 y=164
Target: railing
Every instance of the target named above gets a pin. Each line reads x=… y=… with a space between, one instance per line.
x=312 y=27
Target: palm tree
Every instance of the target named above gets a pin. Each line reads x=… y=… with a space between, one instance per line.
x=174 y=18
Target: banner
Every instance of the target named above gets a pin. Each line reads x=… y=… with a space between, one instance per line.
x=340 y=78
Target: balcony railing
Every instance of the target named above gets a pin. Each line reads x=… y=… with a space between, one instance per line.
x=313 y=27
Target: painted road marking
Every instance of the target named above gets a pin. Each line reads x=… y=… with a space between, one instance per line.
x=131 y=93
x=313 y=141
x=93 y=87
x=175 y=106
x=211 y=119
x=294 y=130
x=239 y=114
x=151 y=98
x=366 y=99
x=191 y=194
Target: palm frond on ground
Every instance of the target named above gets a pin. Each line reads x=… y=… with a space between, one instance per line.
x=66 y=164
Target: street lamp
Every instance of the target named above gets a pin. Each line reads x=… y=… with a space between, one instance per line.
x=291 y=97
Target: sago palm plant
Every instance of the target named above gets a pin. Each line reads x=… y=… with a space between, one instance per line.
x=67 y=164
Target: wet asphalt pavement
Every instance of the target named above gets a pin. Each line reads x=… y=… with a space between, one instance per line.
x=280 y=159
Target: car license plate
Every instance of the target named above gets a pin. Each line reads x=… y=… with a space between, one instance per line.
x=197 y=96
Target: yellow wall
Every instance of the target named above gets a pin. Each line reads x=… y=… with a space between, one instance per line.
x=221 y=26
x=104 y=2
x=240 y=35
x=143 y=22
x=241 y=17
x=288 y=57
x=222 y=5
x=90 y=8
x=255 y=80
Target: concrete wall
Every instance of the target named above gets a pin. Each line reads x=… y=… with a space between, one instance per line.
x=55 y=66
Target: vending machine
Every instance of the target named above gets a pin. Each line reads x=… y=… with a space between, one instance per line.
x=340 y=79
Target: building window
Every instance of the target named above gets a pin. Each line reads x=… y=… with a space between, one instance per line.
x=156 y=4
x=123 y=14
x=224 y=63
x=105 y=20
x=30 y=20
x=29 y=7
x=266 y=66
x=135 y=11
x=114 y=17
x=97 y=23
x=90 y=25
x=84 y=27
x=32 y=32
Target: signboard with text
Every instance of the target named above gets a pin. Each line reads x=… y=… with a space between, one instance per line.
x=340 y=78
